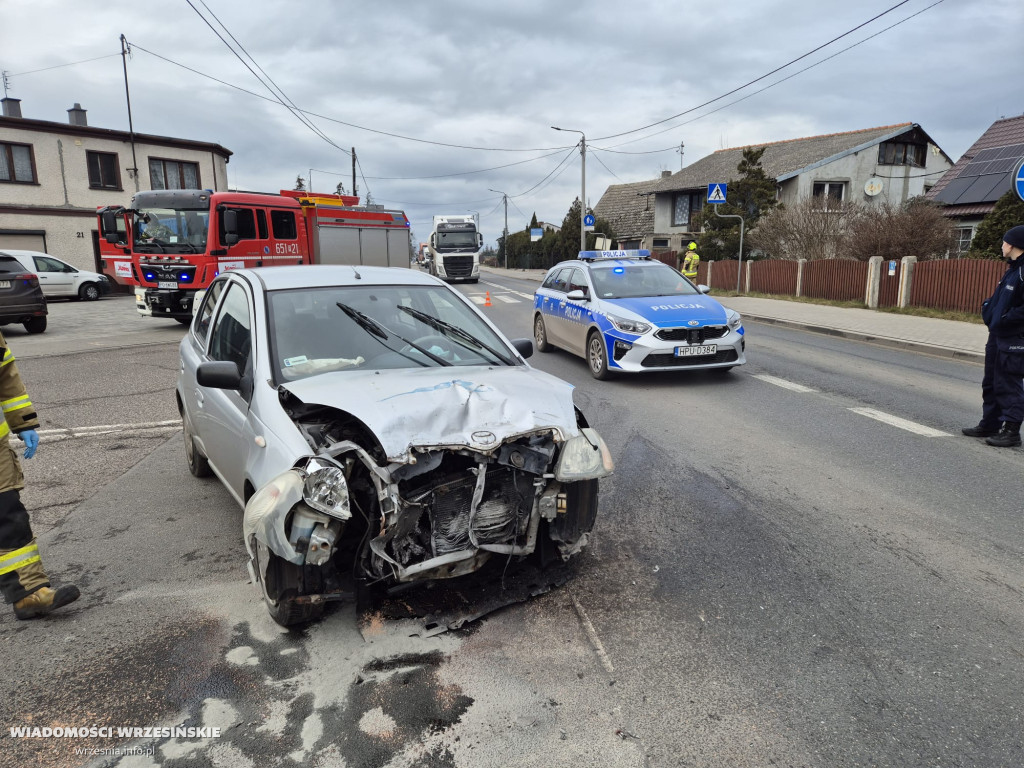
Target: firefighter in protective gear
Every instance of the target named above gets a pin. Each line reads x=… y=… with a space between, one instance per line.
x=691 y=262
x=22 y=578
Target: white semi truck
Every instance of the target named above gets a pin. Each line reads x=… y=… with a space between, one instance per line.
x=454 y=248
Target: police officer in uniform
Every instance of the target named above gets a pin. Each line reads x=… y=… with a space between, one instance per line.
x=22 y=578
x=691 y=262
x=1002 y=388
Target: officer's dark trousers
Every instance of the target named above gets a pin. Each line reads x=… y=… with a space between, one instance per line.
x=1002 y=395
x=15 y=535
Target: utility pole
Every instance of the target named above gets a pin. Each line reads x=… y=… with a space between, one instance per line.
x=131 y=129
x=583 y=182
x=354 y=189
x=504 y=197
x=681 y=147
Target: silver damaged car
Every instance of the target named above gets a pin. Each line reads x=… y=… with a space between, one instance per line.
x=374 y=424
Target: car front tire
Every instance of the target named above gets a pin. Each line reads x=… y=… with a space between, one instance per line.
x=197 y=463
x=89 y=292
x=280 y=590
x=597 y=356
x=540 y=334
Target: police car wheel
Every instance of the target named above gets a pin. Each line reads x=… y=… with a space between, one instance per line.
x=540 y=335
x=597 y=356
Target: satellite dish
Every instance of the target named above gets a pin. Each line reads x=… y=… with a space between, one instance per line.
x=873 y=186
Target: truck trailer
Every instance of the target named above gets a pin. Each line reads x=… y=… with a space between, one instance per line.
x=454 y=248
x=169 y=244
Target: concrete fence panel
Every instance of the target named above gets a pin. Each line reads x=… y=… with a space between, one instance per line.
x=773 y=276
x=835 y=280
x=955 y=284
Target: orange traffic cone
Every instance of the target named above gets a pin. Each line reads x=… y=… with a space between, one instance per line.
x=487 y=300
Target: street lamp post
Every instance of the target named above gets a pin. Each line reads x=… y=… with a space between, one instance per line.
x=504 y=197
x=583 y=182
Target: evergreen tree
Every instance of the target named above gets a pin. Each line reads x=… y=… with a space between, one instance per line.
x=988 y=239
x=751 y=196
x=533 y=221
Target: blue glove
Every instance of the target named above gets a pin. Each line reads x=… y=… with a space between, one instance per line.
x=31 y=439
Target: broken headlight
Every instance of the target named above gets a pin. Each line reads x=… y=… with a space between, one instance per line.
x=326 y=490
x=584 y=457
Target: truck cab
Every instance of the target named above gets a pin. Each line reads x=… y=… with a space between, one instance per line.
x=454 y=249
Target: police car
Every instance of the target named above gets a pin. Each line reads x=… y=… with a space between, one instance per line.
x=625 y=312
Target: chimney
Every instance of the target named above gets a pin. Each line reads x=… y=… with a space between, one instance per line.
x=12 y=107
x=76 y=115
x=666 y=174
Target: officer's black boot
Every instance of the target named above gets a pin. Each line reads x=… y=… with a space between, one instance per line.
x=1008 y=437
x=980 y=431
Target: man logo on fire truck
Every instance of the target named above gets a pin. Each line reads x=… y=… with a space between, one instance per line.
x=170 y=244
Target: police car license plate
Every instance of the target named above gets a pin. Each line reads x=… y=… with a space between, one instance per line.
x=163 y=284
x=701 y=349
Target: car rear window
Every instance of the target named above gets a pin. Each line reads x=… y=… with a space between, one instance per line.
x=10 y=265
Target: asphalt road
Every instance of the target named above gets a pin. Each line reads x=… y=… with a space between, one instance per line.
x=775 y=579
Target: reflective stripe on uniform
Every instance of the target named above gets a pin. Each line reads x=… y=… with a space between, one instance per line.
x=8 y=358
x=15 y=403
x=4 y=430
x=19 y=558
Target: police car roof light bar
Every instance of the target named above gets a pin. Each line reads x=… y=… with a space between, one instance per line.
x=634 y=254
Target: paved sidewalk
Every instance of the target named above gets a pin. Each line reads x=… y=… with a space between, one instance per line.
x=948 y=338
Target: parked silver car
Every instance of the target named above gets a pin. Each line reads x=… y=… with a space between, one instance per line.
x=373 y=422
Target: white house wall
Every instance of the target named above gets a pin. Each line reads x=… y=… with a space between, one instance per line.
x=63 y=184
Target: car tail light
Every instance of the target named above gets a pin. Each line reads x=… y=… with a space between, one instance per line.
x=32 y=280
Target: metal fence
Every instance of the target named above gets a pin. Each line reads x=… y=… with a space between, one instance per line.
x=955 y=284
x=835 y=280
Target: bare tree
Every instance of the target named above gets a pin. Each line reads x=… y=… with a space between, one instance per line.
x=806 y=230
x=915 y=228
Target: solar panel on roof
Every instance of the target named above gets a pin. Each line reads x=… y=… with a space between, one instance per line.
x=994 y=160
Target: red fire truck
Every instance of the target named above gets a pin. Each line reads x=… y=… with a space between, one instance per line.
x=171 y=243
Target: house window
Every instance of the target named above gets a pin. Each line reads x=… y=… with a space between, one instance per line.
x=173 y=174
x=964 y=235
x=16 y=163
x=829 y=194
x=630 y=245
x=901 y=153
x=685 y=207
x=661 y=242
x=103 y=172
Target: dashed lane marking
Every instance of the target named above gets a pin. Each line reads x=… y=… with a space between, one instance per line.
x=520 y=294
x=783 y=383
x=896 y=421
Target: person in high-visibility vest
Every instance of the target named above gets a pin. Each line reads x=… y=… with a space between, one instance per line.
x=23 y=581
x=691 y=262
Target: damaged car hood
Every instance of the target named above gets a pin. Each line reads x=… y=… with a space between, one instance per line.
x=478 y=407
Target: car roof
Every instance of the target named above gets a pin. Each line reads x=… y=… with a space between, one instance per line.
x=17 y=252
x=603 y=263
x=318 y=275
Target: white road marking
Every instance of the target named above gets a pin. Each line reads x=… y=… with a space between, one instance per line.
x=147 y=428
x=783 y=383
x=477 y=299
x=896 y=421
x=520 y=294
x=507 y=299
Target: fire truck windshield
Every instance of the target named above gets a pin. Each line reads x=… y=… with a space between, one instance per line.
x=171 y=230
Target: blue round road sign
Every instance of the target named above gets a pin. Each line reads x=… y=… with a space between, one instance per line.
x=588 y=220
x=1018 y=179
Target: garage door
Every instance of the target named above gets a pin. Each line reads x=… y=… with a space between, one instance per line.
x=22 y=242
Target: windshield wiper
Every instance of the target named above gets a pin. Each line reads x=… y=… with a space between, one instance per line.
x=456 y=334
x=379 y=332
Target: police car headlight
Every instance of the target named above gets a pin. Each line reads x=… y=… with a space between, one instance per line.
x=628 y=326
x=734 y=320
x=326 y=490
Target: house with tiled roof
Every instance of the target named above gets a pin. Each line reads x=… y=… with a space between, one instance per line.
x=629 y=210
x=889 y=164
x=969 y=190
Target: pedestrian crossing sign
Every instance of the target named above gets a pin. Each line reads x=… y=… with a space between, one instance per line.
x=716 y=193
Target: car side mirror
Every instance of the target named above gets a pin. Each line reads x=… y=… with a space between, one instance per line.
x=703 y=288
x=230 y=221
x=523 y=346
x=577 y=295
x=219 y=374
x=108 y=223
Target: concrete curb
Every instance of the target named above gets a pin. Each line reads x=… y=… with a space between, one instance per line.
x=884 y=341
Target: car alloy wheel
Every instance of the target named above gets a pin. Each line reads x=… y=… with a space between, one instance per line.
x=597 y=356
x=540 y=335
x=89 y=292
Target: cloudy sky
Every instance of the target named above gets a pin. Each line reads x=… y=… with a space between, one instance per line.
x=446 y=100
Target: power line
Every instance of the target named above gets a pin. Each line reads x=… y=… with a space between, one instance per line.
x=758 y=79
x=778 y=82
x=69 y=64
x=461 y=173
x=347 y=124
x=598 y=158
